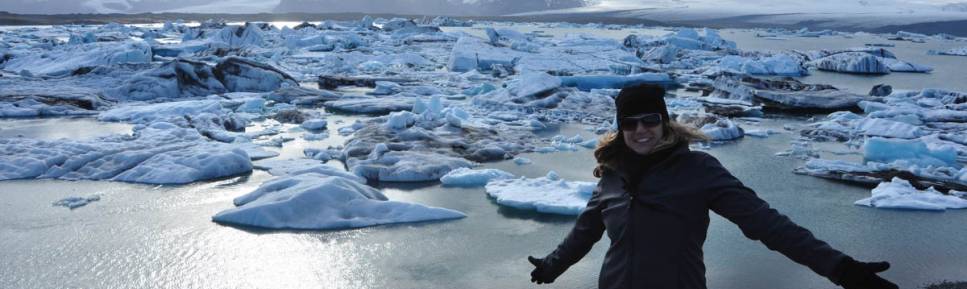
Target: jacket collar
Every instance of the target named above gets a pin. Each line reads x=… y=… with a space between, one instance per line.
x=631 y=167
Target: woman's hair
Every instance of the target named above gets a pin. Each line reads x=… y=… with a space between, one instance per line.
x=612 y=147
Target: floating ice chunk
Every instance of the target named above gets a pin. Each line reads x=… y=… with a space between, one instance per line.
x=960 y=51
x=913 y=151
x=549 y=194
x=896 y=65
x=386 y=88
x=589 y=82
x=174 y=79
x=483 y=88
x=252 y=105
x=160 y=153
x=471 y=53
x=520 y=161
x=466 y=177
x=779 y=64
x=322 y=154
x=315 y=136
x=188 y=165
x=241 y=74
x=76 y=202
x=372 y=105
x=853 y=62
x=248 y=35
x=888 y=128
x=160 y=111
x=400 y=120
x=303 y=166
x=317 y=202
x=534 y=83
x=900 y=194
x=65 y=59
x=800 y=149
x=314 y=124
x=723 y=129
x=405 y=166
x=760 y=132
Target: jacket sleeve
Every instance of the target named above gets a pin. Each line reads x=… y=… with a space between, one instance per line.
x=731 y=199
x=587 y=231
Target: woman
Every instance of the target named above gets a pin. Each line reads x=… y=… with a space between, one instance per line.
x=653 y=201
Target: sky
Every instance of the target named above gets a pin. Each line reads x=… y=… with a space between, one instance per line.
x=257 y=6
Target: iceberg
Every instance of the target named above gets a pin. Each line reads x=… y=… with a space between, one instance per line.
x=852 y=62
x=160 y=153
x=76 y=202
x=160 y=111
x=244 y=75
x=174 y=79
x=248 y=35
x=405 y=166
x=465 y=177
x=723 y=130
x=318 y=202
x=548 y=194
x=916 y=152
x=294 y=167
x=314 y=124
x=589 y=82
x=67 y=59
x=778 y=64
x=900 y=194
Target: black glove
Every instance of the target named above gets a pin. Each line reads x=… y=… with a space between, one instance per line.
x=860 y=275
x=542 y=273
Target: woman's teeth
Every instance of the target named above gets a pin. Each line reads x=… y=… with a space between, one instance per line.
x=641 y=140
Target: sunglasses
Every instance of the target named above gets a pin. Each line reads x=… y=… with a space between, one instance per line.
x=647 y=120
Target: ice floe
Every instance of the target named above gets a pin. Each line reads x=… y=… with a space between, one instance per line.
x=548 y=194
x=466 y=177
x=76 y=202
x=319 y=202
x=900 y=194
x=160 y=153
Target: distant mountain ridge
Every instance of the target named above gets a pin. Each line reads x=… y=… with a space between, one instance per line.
x=428 y=7
x=411 y=7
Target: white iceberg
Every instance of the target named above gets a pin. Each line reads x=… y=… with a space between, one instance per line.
x=292 y=167
x=548 y=194
x=318 y=202
x=722 y=130
x=466 y=177
x=900 y=194
x=160 y=153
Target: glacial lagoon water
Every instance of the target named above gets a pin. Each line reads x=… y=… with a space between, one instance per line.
x=141 y=236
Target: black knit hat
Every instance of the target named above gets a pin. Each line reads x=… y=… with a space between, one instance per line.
x=640 y=99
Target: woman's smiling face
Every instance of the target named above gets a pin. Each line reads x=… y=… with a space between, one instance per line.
x=641 y=136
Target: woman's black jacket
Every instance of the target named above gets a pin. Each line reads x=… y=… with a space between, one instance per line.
x=657 y=223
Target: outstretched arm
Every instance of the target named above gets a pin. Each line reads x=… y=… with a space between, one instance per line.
x=587 y=231
x=731 y=199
